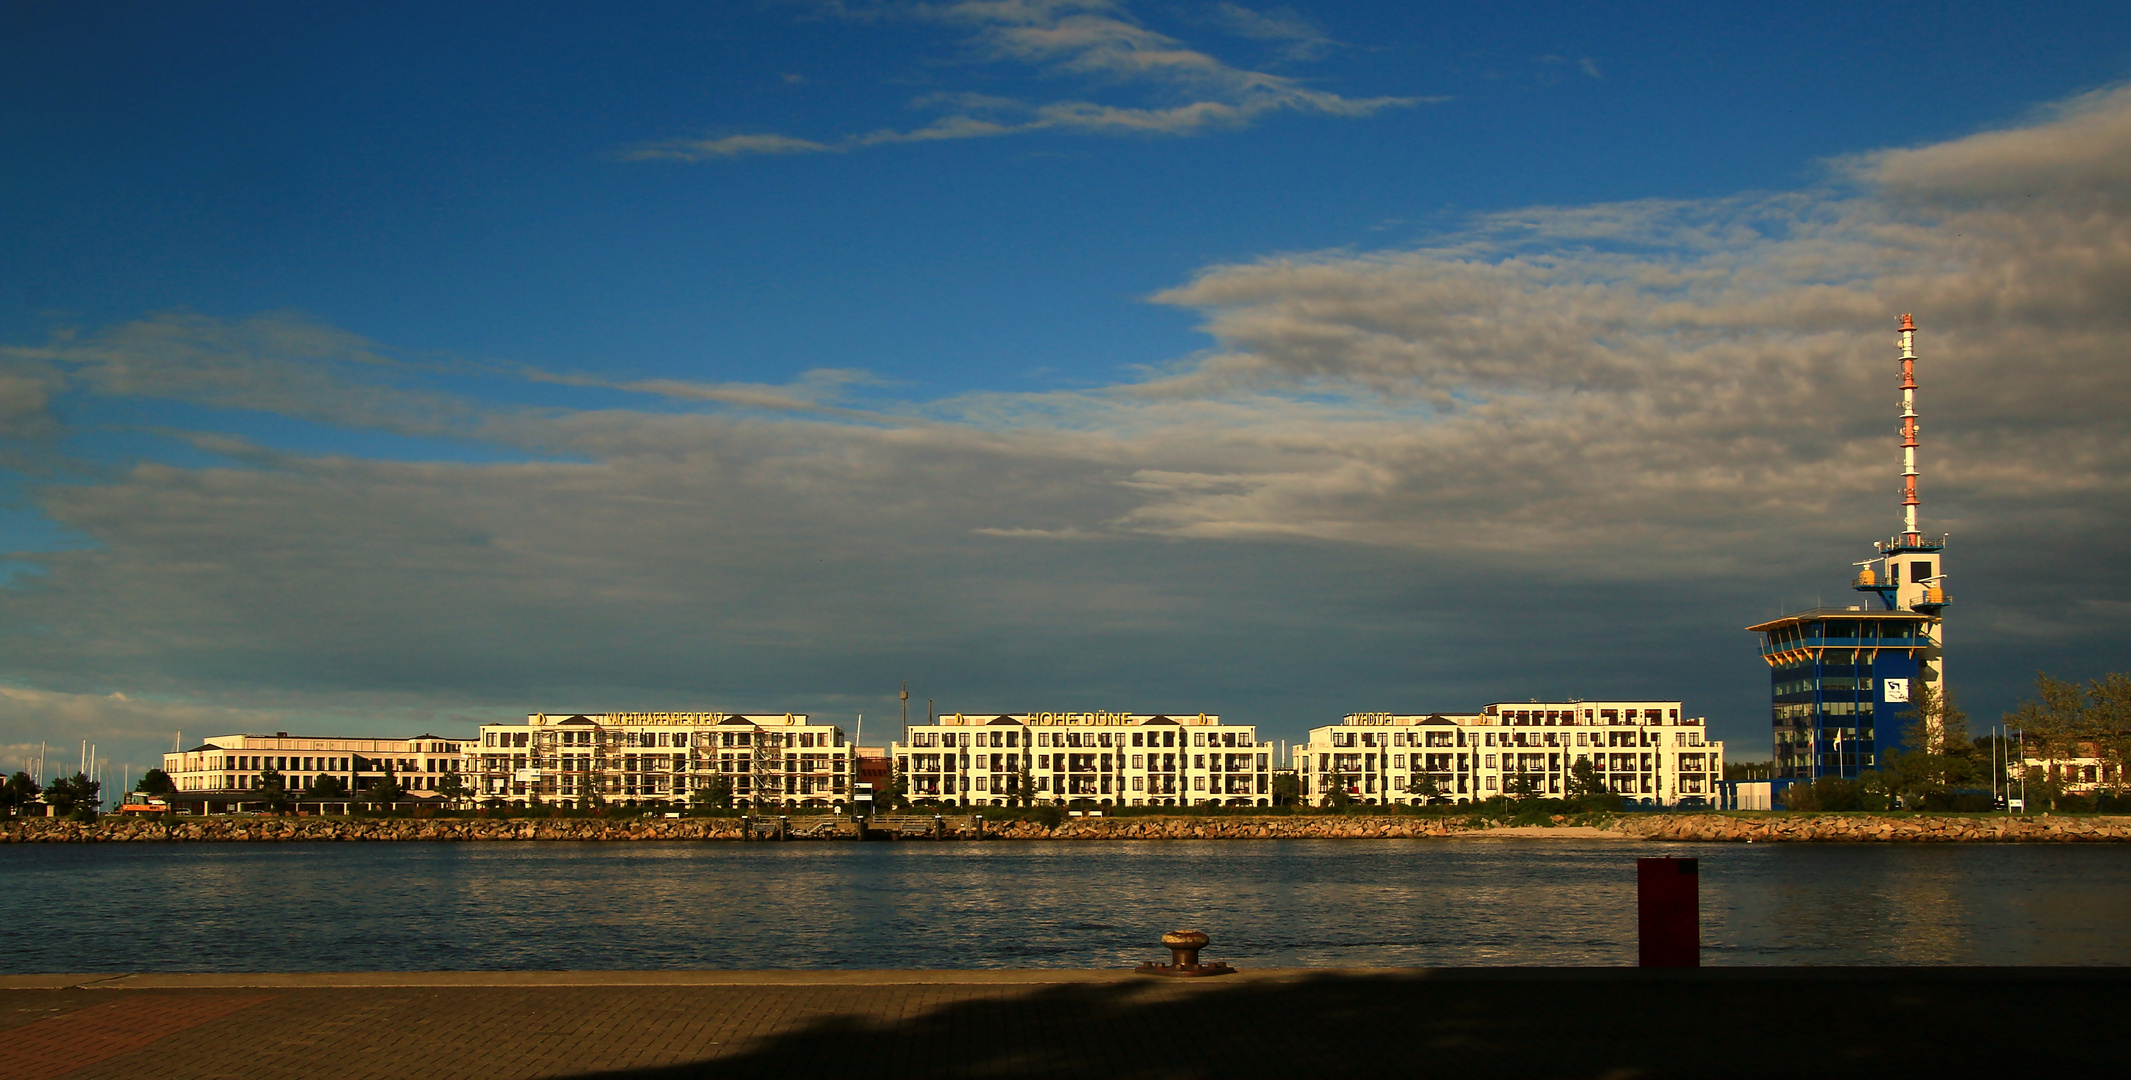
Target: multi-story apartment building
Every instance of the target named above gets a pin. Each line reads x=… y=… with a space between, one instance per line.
x=1643 y=750
x=1101 y=758
x=656 y=758
x=225 y=771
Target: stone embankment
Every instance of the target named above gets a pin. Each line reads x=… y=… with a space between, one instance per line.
x=1718 y=828
x=1226 y=828
x=1875 y=828
x=119 y=830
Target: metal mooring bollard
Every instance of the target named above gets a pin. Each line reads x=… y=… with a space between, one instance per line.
x=1668 y=912
x=1184 y=946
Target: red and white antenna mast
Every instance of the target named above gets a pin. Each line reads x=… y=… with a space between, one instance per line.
x=1910 y=537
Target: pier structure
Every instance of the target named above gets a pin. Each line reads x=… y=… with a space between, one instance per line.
x=1645 y=751
x=1098 y=758
x=1841 y=680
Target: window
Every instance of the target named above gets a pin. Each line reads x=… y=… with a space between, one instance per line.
x=1137 y=761
x=1136 y=738
x=1490 y=764
x=1918 y=571
x=1198 y=738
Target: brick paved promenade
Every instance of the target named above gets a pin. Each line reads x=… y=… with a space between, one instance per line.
x=1789 y=1023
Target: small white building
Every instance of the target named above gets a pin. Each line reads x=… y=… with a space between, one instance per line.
x=2086 y=771
x=661 y=758
x=1642 y=750
x=1099 y=758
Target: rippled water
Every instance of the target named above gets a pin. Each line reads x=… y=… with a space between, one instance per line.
x=551 y=905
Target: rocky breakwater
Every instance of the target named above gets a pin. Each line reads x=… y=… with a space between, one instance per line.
x=1876 y=828
x=1226 y=828
x=286 y=829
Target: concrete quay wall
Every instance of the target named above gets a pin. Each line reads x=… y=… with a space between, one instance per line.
x=1708 y=828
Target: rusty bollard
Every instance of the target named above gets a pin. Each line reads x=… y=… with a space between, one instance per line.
x=1184 y=946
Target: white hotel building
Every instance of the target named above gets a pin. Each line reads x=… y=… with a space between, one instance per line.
x=1100 y=758
x=225 y=772
x=659 y=758
x=1643 y=750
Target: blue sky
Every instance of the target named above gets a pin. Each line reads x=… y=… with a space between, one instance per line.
x=1293 y=359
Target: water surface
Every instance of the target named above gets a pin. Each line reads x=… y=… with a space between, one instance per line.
x=1297 y=903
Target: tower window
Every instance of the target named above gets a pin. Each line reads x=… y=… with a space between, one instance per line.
x=1918 y=571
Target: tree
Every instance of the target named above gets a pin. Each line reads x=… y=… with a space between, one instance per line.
x=1287 y=789
x=1523 y=785
x=274 y=789
x=1423 y=785
x=384 y=790
x=2053 y=729
x=156 y=782
x=1336 y=796
x=453 y=788
x=1585 y=781
x=329 y=786
x=71 y=793
x=1936 y=755
x=899 y=789
x=2109 y=720
x=716 y=793
x=17 y=792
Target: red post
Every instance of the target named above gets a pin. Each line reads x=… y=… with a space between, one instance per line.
x=1668 y=912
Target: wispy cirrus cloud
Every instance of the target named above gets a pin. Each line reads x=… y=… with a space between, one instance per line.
x=1171 y=89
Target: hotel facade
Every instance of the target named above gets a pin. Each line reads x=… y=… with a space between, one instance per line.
x=1097 y=758
x=658 y=758
x=1644 y=751
x=227 y=771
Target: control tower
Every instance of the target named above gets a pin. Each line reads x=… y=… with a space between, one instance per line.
x=1841 y=678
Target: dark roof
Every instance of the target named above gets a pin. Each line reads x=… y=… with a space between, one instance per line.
x=1438 y=718
x=578 y=720
x=1823 y=614
x=735 y=720
x=1162 y=720
x=1002 y=720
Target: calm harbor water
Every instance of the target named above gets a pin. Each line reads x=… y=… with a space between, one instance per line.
x=438 y=906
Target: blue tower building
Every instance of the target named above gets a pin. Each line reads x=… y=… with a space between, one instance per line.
x=1840 y=680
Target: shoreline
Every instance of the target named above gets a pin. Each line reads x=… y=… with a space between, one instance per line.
x=1641 y=828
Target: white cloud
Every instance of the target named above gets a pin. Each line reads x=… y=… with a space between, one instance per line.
x=1095 y=41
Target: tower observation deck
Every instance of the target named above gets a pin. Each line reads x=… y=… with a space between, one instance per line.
x=1841 y=680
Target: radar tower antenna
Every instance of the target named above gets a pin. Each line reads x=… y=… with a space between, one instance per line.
x=1910 y=537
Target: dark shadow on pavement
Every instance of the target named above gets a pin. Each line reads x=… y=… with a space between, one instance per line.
x=1617 y=1024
